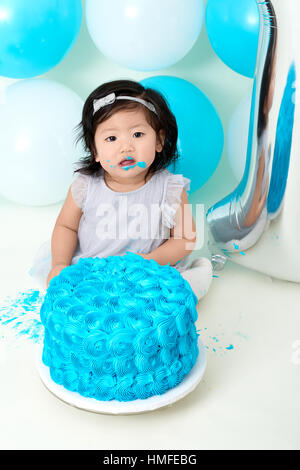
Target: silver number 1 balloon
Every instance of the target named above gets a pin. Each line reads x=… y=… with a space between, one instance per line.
x=253 y=209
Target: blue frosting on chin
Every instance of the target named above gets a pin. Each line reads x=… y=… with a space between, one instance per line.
x=119 y=328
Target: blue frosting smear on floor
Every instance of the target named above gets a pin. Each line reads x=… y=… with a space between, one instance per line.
x=20 y=316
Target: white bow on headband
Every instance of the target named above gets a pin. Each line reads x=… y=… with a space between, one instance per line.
x=111 y=98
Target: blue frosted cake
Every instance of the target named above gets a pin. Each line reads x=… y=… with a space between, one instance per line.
x=119 y=328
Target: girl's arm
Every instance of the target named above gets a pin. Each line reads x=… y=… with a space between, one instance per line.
x=182 y=237
x=64 y=237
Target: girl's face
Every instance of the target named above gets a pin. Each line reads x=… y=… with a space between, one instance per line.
x=126 y=134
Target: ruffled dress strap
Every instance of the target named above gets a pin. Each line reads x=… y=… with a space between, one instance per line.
x=79 y=189
x=172 y=197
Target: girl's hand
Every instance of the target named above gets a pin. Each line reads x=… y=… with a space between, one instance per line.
x=143 y=255
x=55 y=272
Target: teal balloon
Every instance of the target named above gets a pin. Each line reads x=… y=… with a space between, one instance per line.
x=233 y=30
x=200 y=132
x=36 y=35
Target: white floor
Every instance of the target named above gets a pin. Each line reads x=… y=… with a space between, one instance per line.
x=248 y=399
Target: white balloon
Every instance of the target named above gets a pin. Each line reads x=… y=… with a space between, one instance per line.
x=237 y=137
x=37 y=141
x=141 y=35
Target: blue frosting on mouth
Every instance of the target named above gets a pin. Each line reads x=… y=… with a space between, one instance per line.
x=139 y=164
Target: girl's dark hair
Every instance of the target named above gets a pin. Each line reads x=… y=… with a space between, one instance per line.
x=164 y=120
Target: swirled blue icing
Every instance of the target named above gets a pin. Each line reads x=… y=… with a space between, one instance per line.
x=119 y=328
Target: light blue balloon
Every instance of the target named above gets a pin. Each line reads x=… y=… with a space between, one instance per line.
x=200 y=132
x=233 y=30
x=36 y=35
x=38 y=153
x=141 y=35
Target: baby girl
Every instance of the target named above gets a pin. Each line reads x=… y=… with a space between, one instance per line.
x=123 y=197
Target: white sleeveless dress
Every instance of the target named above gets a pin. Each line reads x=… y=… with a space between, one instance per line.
x=115 y=222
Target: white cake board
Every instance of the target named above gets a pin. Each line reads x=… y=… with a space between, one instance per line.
x=115 y=407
